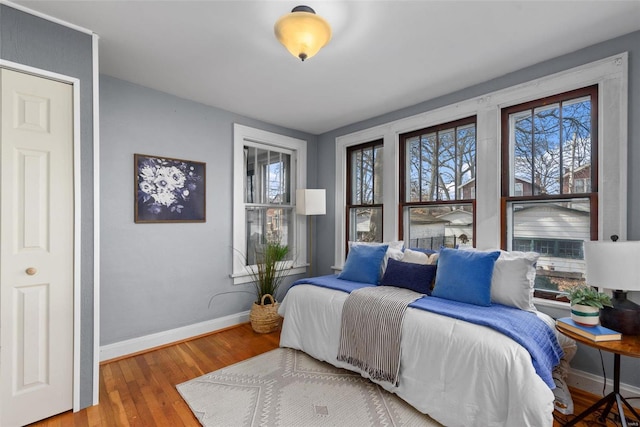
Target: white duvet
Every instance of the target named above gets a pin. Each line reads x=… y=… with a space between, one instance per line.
x=460 y=374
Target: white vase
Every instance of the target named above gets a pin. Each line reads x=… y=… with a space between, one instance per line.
x=585 y=314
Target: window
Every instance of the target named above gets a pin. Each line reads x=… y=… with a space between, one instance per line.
x=267 y=170
x=364 y=192
x=490 y=202
x=549 y=151
x=438 y=185
x=268 y=208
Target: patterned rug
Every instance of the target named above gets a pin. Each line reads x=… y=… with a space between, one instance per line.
x=285 y=387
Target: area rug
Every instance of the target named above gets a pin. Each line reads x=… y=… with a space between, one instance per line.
x=285 y=387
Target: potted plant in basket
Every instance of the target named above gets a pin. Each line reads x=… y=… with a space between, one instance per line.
x=586 y=303
x=267 y=275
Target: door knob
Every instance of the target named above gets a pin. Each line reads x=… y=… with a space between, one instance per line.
x=31 y=271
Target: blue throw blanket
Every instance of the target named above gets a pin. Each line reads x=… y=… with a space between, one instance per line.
x=523 y=327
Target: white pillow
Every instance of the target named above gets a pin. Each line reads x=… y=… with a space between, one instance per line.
x=433 y=258
x=415 y=257
x=513 y=279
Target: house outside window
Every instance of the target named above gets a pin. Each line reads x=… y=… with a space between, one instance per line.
x=551 y=144
x=364 y=192
x=518 y=189
x=268 y=168
x=438 y=185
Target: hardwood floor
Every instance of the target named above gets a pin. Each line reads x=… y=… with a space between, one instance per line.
x=140 y=390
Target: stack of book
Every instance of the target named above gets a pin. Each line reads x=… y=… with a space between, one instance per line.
x=594 y=333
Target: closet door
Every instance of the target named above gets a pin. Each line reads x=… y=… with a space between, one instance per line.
x=36 y=248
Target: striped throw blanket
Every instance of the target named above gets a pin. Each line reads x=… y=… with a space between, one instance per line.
x=371 y=330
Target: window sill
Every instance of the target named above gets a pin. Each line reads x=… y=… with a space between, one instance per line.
x=547 y=303
x=244 y=277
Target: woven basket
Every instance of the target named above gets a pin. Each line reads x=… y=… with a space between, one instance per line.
x=264 y=317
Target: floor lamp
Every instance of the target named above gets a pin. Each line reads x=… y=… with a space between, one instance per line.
x=311 y=202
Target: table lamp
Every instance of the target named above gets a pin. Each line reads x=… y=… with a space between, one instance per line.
x=616 y=265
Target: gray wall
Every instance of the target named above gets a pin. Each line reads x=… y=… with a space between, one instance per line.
x=156 y=277
x=586 y=359
x=39 y=43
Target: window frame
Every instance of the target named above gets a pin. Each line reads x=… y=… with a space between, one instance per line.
x=507 y=153
x=403 y=204
x=506 y=159
x=242 y=136
x=610 y=73
x=348 y=189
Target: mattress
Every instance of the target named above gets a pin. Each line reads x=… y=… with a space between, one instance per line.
x=459 y=373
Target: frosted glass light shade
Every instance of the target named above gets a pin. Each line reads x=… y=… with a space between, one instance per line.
x=303 y=32
x=311 y=202
x=613 y=265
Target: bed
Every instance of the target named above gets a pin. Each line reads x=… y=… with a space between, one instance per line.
x=459 y=373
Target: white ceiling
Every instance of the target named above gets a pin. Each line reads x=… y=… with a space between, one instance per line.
x=384 y=55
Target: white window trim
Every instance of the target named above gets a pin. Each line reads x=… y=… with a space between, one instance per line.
x=243 y=135
x=611 y=74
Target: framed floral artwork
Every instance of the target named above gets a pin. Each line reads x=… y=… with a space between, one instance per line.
x=168 y=190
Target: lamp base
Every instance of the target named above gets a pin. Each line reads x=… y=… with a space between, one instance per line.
x=623 y=317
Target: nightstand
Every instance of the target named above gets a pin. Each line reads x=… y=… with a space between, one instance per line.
x=629 y=345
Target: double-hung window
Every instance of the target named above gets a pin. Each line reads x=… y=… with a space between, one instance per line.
x=267 y=170
x=364 y=192
x=268 y=201
x=536 y=195
x=550 y=183
x=438 y=185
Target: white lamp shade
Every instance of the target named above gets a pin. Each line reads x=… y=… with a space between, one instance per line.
x=311 y=202
x=613 y=265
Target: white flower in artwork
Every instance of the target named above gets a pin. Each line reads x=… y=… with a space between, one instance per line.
x=147 y=187
x=164 y=179
x=147 y=173
x=177 y=177
x=165 y=198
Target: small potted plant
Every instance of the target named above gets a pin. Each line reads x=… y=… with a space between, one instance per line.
x=586 y=303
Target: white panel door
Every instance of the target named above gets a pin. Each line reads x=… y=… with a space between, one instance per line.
x=36 y=248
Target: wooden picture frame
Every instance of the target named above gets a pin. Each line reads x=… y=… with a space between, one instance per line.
x=168 y=190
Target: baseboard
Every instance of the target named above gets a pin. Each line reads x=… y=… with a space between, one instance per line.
x=593 y=384
x=136 y=345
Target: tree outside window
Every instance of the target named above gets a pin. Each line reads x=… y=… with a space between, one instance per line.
x=438 y=183
x=549 y=153
x=364 y=192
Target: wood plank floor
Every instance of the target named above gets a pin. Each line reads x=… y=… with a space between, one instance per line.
x=140 y=390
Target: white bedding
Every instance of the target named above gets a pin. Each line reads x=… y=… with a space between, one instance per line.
x=459 y=373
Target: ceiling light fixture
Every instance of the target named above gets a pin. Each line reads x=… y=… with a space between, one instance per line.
x=303 y=32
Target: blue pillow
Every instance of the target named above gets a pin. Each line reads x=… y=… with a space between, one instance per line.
x=465 y=276
x=417 y=277
x=363 y=263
